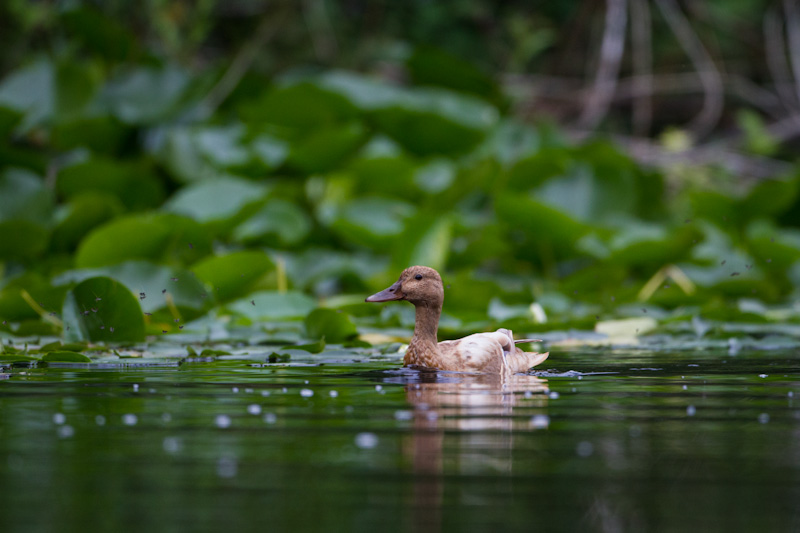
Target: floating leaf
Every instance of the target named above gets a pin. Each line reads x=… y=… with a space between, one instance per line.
x=65 y=357
x=234 y=274
x=102 y=309
x=215 y=199
x=157 y=237
x=334 y=326
x=273 y=305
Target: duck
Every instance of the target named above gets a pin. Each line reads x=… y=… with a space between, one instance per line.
x=491 y=352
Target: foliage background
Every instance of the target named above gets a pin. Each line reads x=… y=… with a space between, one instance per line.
x=251 y=163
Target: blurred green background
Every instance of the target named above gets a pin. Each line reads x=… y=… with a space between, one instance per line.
x=560 y=163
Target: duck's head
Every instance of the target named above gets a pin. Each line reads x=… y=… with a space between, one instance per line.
x=419 y=285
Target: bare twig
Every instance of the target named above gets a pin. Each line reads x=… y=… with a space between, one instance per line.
x=268 y=26
x=611 y=49
x=320 y=29
x=641 y=54
x=793 y=37
x=711 y=111
x=776 y=59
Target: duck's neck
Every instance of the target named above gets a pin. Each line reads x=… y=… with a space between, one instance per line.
x=423 y=350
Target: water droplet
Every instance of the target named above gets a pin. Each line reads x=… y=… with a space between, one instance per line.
x=59 y=418
x=763 y=418
x=403 y=414
x=135 y=387
x=222 y=421
x=227 y=467
x=762 y=375
x=333 y=394
x=254 y=409
x=172 y=444
x=540 y=421
x=553 y=395
x=235 y=390
x=691 y=410
x=129 y=419
x=306 y=393
x=366 y=440
x=584 y=448
x=265 y=393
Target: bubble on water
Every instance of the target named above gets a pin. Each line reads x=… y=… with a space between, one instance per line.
x=684 y=387
x=366 y=440
x=763 y=418
x=254 y=409
x=270 y=418
x=172 y=444
x=540 y=421
x=100 y=420
x=249 y=391
x=166 y=417
x=790 y=394
x=333 y=394
x=306 y=393
x=235 y=390
x=378 y=388
x=284 y=390
x=59 y=418
x=135 y=387
x=265 y=393
x=65 y=431
x=403 y=414
x=306 y=382
x=553 y=395
x=129 y=419
x=691 y=410
x=227 y=467
x=584 y=448
x=763 y=375
x=222 y=421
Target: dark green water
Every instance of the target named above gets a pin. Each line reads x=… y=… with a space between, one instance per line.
x=650 y=442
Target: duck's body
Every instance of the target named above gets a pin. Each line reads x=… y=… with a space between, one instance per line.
x=493 y=352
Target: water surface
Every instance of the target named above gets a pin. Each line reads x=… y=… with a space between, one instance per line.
x=597 y=440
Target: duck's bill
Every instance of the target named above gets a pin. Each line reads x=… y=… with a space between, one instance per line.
x=387 y=295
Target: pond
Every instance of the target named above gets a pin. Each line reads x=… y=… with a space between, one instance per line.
x=597 y=440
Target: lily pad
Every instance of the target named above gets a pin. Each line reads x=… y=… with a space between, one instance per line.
x=274 y=305
x=102 y=309
x=333 y=326
x=65 y=357
x=234 y=274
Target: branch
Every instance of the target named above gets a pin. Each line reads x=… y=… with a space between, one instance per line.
x=711 y=111
x=611 y=49
x=641 y=50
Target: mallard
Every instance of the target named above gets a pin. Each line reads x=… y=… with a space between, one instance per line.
x=492 y=352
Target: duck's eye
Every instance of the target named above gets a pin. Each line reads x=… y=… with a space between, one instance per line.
x=418 y=276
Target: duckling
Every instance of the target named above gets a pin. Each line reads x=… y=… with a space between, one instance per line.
x=493 y=352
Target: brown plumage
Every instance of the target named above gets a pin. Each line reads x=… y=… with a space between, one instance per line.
x=493 y=352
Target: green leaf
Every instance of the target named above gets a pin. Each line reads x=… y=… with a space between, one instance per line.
x=313 y=347
x=273 y=305
x=277 y=218
x=372 y=221
x=103 y=35
x=22 y=239
x=82 y=214
x=214 y=200
x=65 y=357
x=333 y=326
x=24 y=196
x=426 y=241
x=133 y=184
x=156 y=237
x=102 y=309
x=432 y=66
x=234 y=274
x=146 y=95
x=325 y=148
x=30 y=90
x=148 y=281
x=16 y=358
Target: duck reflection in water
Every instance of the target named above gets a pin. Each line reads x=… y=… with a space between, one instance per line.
x=464 y=424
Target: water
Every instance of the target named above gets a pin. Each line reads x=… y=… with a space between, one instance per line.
x=599 y=441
